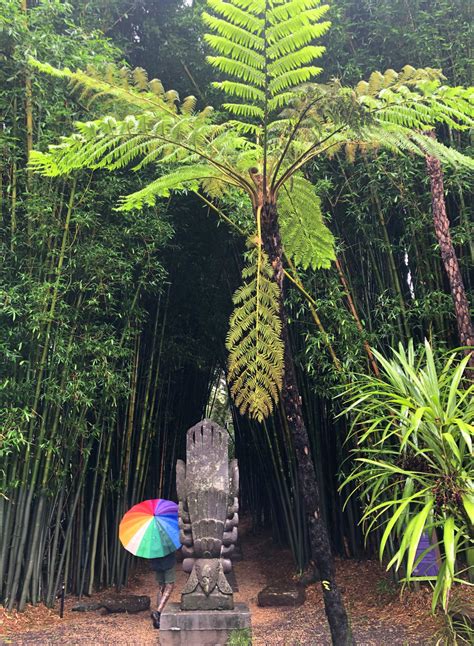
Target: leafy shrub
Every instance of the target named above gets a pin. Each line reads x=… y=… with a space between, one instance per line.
x=240 y=637
x=412 y=430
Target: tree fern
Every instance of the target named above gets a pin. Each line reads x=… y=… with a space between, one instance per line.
x=129 y=87
x=392 y=110
x=405 y=106
x=266 y=51
x=254 y=342
x=306 y=238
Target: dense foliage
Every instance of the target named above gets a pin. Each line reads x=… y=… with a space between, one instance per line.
x=87 y=385
x=109 y=324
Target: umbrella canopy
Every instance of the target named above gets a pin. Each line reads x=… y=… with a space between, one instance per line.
x=150 y=529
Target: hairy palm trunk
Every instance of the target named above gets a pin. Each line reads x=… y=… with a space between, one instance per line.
x=448 y=255
x=292 y=402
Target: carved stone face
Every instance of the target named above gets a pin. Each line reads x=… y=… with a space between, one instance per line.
x=207 y=571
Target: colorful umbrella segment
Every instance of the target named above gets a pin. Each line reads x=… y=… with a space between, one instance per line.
x=150 y=529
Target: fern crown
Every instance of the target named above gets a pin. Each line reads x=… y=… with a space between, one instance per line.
x=266 y=50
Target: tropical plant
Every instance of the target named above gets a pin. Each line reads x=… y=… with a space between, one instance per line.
x=265 y=48
x=457 y=628
x=412 y=428
x=383 y=92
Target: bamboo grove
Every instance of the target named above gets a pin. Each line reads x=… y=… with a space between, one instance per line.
x=88 y=398
x=113 y=329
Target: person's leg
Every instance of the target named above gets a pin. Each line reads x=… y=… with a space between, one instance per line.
x=166 y=594
x=160 y=579
x=161 y=589
x=155 y=614
x=168 y=578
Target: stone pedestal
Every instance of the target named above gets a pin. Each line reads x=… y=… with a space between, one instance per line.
x=201 y=627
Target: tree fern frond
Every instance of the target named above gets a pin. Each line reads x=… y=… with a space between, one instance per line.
x=244 y=110
x=299 y=38
x=279 y=101
x=156 y=87
x=233 y=33
x=295 y=77
x=401 y=140
x=392 y=111
x=257 y=7
x=256 y=354
x=236 y=51
x=185 y=178
x=294 y=60
x=214 y=187
x=246 y=19
x=142 y=139
x=140 y=78
x=242 y=29
x=408 y=72
x=376 y=82
x=238 y=69
x=362 y=88
x=188 y=106
x=389 y=77
x=420 y=92
x=285 y=9
x=451 y=156
x=245 y=127
x=306 y=239
x=93 y=85
x=280 y=28
x=241 y=90
x=43 y=164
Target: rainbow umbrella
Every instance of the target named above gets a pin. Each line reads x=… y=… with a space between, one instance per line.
x=150 y=529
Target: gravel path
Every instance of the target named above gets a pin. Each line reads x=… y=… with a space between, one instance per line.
x=379 y=616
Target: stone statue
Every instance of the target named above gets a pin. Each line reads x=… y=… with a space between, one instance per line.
x=207 y=491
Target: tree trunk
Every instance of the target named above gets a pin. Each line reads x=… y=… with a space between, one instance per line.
x=448 y=256
x=292 y=402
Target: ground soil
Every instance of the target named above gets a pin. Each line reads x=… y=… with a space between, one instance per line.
x=379 y=616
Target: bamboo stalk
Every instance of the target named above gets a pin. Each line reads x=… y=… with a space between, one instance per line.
x=312 y=307
x=353 y=310
x=19 y=544
x=98 y=515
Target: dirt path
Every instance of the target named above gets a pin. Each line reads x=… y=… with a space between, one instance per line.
x=379 y=617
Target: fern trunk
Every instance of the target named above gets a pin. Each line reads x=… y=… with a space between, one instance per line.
x=448 y=256
x=292 y=402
